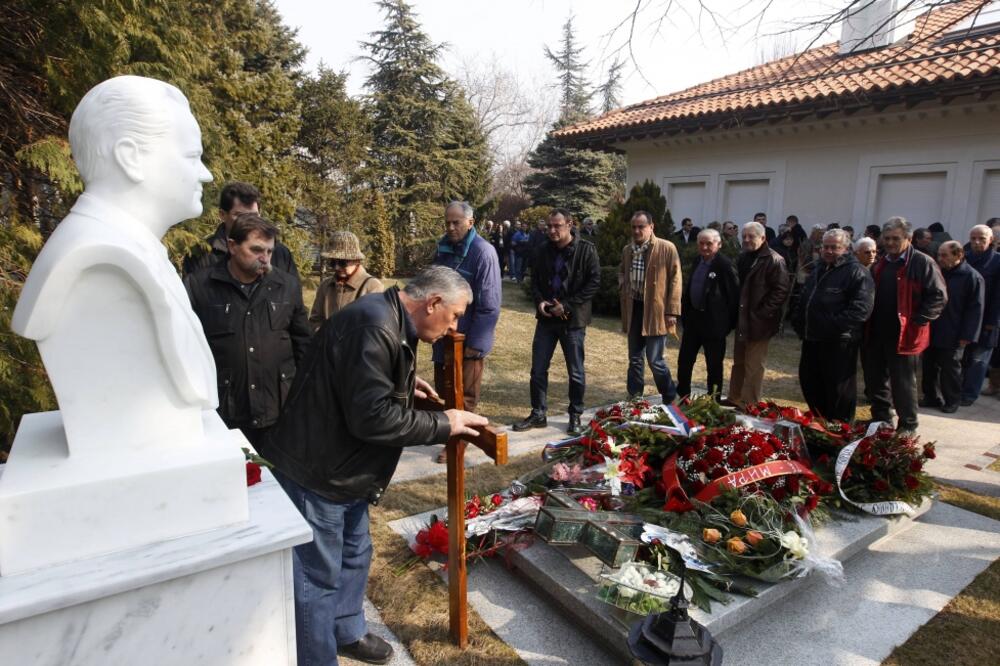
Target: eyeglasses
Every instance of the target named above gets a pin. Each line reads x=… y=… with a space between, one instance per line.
x=554 y=227
x=341 y=263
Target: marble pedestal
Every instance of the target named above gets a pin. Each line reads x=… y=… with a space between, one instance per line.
x=219 y=597
x=56 y=507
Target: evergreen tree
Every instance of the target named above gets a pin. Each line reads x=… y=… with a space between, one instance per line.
x=615 y=231
x=610 y=91
x=426 y=143
x=381 y=259
x=574 y=100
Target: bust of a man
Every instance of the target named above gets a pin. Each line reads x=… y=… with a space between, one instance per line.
x=125 y=353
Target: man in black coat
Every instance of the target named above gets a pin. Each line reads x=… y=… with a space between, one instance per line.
x=687 y=234
x=830 y=316
x=256 y=326
x=958 y=326
x=565 y=276
x=336 y=447
x=235 y=199
x=709 y=308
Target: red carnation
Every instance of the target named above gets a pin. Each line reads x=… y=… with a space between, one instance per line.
x=929 y=452
x=700 y=466
x=717 y=473
x=736 y=459
x=714 y=456
x=422 y=550
x=698 y=444
x=497 y=499
x=437 y=537
x=911 y=482
x=756 y=457
x=916 y=465
x=880 y=485
x=687 y=452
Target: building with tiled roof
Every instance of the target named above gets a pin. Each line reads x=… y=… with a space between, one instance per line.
x=890 y=120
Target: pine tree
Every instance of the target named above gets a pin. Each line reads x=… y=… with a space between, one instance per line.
x=574 y=100
x=425 y=141
x=381 y=259
x=610 y=91
x=615 y=232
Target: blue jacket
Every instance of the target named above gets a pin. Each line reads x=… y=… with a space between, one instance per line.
x=962 y=317
x=477 y=262
x=988 y=265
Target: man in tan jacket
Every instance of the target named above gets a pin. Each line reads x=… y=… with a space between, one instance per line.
x=650 y=281
x=350 y=280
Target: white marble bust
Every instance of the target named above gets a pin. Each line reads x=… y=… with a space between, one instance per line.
x=126 y=355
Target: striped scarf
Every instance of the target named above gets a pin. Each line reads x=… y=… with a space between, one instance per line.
x=637 y=275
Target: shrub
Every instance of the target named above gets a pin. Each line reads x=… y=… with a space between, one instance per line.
x=606 y=302
x=615 y=232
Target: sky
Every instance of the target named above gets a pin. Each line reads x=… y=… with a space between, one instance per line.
x=672 y=55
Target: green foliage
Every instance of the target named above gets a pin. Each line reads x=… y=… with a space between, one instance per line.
x=606 y=300
x=616 y=232
x=535 y=214
x=381 y=259
x=426 y=139
x=51 y=156
x=574 y=99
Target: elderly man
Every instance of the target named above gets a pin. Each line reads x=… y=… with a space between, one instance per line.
x=465 y=251
x=836 y=301
x=235 y=199
x=909 y=294
x=865 y=251
x=764 y=286
x=565 y=275
x=981 y=256
x=349 y=282
x=255 y=323
x=335 y=449
x=709 y=308
x=649 y=279
x=956 y=328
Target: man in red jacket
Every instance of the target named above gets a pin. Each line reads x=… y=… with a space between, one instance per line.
x=909 y=294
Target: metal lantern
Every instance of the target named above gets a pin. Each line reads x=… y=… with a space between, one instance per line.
x=673 y=638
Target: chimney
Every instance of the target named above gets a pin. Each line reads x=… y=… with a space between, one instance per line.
x=868 y=26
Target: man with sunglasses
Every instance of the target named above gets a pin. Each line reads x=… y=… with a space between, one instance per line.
x=349 y=282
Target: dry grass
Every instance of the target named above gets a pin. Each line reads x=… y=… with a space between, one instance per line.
x=994 y=466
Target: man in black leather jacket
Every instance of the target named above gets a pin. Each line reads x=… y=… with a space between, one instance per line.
x=836 y=301
x=336 y=446
x=255 y=323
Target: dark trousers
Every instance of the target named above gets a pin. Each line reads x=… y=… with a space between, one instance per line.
x=715 y=350
x=891 y=379
x=652 y=347
x=828 y=374
x=942 y=375
x=254 y=435
x=329 y=574
x=472 y=379
x=547 y=335
x=975 y=365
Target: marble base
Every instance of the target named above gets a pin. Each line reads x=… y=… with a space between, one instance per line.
x=220 y=597
x=57 y=508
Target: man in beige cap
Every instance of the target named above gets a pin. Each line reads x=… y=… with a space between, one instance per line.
x=349 y=282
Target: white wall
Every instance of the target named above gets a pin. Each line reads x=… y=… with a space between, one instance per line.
x=929 y=164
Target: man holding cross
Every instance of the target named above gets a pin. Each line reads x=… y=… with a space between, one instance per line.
x=335 y=449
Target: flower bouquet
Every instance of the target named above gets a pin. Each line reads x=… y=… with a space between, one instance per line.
x=639 y=588
x=883 y=472
x=738 y=457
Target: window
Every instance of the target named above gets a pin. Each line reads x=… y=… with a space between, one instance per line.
x=985 y=21
x=919 y=197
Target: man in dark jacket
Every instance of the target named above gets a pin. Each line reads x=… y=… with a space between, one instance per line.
x=909 y=294
x=255 y=323
x=709 y=306
x=465 y=251
x=764 y=286
x=836 y=301
x=688 y=233
x=335 y=449
x=982 y=257
x=235 y=199
x=957 y=327
x=565 y=275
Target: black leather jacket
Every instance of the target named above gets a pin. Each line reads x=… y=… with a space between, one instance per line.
x=256 y=340
x=350 y=410
x=836 y=301
x=581 y=285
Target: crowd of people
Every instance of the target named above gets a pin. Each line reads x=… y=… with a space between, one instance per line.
x=328 y=396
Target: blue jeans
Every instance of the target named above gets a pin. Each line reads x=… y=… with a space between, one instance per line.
x=975 y=365
x=547 y=334
x=514 y=265
x=653 y=347
x=330 y=574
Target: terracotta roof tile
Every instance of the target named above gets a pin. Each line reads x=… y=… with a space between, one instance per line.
x=821 y=73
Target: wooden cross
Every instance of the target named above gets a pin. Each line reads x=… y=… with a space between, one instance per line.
x=494 y=443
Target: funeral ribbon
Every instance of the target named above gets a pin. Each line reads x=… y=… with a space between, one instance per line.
x=743 y=477
x=887 y=508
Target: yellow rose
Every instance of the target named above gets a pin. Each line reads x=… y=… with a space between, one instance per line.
x=738 y=518
x=736 y=545
x=710 y=536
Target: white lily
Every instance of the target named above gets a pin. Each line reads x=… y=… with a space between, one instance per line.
x=615 y=448
x=795 y=544
x=611 y=474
